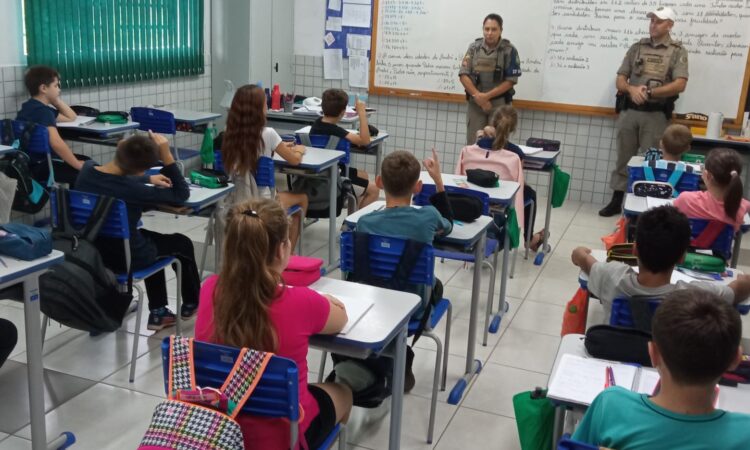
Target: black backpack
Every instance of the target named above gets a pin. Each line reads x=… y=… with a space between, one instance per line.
x=381 y=367
x=81 y=293
x=317 y=190
x=30 y=196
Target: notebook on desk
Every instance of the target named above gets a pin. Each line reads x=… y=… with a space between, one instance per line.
x=79 y=121
x=579 y=380
x=530 y=150
x=356 y=308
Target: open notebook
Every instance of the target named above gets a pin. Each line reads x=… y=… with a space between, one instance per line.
x=530 y=150
x=356 y=308
x=579 y=380
x=79 y=121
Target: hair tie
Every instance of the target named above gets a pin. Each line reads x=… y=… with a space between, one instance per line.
x=250 y=213
x=733 y=173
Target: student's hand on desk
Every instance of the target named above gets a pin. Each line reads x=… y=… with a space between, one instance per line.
x=160 y=180
x=336 y=302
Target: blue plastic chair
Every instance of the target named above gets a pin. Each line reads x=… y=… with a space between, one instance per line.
x=82 y=204
x=568 y=444
x=723 y=243
x=327 y=142
x=275 y=396
x=384 y=254
x=38 y=141
x=623 y=316
x=491 y=248
x=163 y=122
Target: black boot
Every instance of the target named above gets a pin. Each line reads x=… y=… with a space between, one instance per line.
x=615 y=205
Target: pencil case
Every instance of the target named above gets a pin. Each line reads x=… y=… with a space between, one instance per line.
x=25 y=242
x=302 y=271
x=624 y=253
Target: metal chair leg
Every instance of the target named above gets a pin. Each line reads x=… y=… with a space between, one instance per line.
x=446 y=347
x=136 y=335
x=177 y=265
x=435 y=383
x=45 y=323
x=529 y=233
x=207 y=242
x=322 y=368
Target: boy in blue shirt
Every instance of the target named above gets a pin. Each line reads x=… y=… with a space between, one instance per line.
x=399 y=178
x=696 y=338
x=46 y=108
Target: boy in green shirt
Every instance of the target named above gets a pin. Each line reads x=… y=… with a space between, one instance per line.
x=696 y=338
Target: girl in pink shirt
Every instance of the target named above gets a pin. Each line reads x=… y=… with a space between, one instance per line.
x=505 y=163
x=248 y=306
x=723 y=198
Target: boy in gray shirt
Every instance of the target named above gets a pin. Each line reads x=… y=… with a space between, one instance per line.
x=662 y=239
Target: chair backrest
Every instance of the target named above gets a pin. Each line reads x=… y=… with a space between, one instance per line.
x=265 y=174
x=328 y=142
x=688 y=181
x=38 y=141
x=277 y=392
x=721 y=245
x=428 y=190
x=153 y=119
x=635 y=312
x=82 y=204
x=568 y=444
x=384 y=254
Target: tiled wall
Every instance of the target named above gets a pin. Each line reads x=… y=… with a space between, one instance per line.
x=588 y=145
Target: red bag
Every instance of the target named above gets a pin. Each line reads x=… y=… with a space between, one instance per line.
x=302 y=271
x=620 y=235
x=574 y=317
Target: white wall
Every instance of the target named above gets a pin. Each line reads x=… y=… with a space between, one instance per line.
x=11 y=50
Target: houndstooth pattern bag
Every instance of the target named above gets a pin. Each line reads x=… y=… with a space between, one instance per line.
x=194 y=418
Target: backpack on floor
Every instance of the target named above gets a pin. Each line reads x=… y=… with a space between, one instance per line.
x=202 y=418
x=81 y=292
x=317 y=190
x=30 y=196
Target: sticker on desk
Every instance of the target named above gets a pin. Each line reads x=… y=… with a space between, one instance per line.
x=461 y=182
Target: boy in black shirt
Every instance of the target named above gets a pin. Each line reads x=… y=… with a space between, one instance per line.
x=334 y=106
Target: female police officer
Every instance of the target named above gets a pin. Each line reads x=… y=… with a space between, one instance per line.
x=488 y=72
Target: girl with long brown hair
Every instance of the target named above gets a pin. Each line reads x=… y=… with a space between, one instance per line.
x=246 y=139
x=247 y=305
x=723 y=198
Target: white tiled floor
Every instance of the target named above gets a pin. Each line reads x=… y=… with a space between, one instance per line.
x=87 y=378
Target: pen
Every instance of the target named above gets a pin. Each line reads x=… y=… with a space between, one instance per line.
x=609 y=377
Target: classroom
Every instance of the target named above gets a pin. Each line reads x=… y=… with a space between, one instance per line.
x=579 y=170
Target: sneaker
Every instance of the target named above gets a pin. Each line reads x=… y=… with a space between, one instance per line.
x=188 y=310
x=615 y=205
x=161 y=318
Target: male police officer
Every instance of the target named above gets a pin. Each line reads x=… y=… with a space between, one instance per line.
x=488 y=72
x=652 y=75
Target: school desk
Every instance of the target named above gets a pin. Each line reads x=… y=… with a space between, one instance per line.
x=702 y=144
x=376 y=147
x=468 y=236
x=542 y=162
x=381 y=331
x=12 y=272
x=730 y=398
x=288 y=121
x=505 y=195
x=317 y=162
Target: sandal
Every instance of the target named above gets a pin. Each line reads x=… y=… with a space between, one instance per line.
x=536 y=240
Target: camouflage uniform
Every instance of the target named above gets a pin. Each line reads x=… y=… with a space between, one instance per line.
x=487 y=68
x=640 y=127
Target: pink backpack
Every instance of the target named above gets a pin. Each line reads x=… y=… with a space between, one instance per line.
x=202 y=418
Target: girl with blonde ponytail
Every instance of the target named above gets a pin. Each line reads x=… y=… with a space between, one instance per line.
x=723 y=198
x=493 y=151
x=247 y=305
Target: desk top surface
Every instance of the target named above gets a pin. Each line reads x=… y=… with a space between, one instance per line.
x=201 y=197
x=462 y=233
x=730 y=398
x=17 y=268
x=635 y=205
x=544 y=155
x=390 y=311
x=6 y=149
x=193 y=117
x=382 y=135
x=314 y=158
x=309 y=117
x=102 y=128
x=502 y=194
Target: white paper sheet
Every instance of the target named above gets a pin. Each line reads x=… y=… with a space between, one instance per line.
x=356 y=308
x=333 y=24
x=358 y=73
x=329 y=39
x=355 y=15
x=79 y=121
x=358 y=41
x=647 y=381
x=653 y=202
x=530 y=150
x=334 y=5
x=333 y=64
x=357 y=52
x=580 y=379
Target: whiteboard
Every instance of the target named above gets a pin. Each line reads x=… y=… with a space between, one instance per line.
x=570 y=49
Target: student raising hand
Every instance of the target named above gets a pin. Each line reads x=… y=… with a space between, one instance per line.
x=432 y=165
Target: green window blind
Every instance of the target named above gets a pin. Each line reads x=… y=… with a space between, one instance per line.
x=97 y=42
